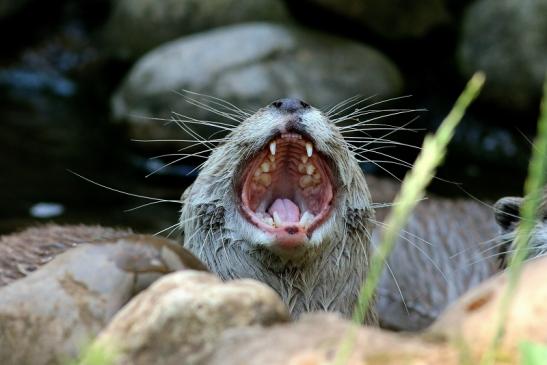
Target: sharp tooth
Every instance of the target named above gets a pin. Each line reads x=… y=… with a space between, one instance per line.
x=310 y=169
x=269 y=220
x=265 y=167
x=309 y=149
x=272 y=148
x=304 y=159
x=306 y=218
x=277 y=220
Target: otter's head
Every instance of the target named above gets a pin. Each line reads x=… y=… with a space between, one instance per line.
x=508 y=218
x=284 y=180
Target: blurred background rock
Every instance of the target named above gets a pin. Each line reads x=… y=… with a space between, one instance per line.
x=79 y=80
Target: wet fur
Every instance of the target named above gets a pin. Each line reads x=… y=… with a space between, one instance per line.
x=328 y=274
x=446 y=248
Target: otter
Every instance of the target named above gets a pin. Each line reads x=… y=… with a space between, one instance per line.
x=508 y=218
x=447 y=247
x=284 y=201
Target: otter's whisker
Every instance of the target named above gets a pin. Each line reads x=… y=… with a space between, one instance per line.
x=383 y=225
x=347 y=104
x=176 y=225
x=228 y=115
x=356 y=116
x=384 y=141
x=177 y=140
x=188 y=129
x=143 y=206
x=366 y=107
x=364 y=122
x=220 y=102
x=125 y=192
x=500 y=241
x=197 y=154
x=397 y=286
x=365 y=160
x=394 y=160
x=169 y=164
x=187 y=119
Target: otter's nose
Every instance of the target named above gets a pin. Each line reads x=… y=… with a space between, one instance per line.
x=290 y=105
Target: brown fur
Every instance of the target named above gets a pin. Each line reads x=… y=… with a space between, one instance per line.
x=446 y=249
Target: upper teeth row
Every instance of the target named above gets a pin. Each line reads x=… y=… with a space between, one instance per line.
x=309 y=148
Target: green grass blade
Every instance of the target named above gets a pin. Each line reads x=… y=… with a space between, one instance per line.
x=533 y=353
x=533 y=189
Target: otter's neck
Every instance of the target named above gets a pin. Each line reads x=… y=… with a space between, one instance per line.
x=327 y=279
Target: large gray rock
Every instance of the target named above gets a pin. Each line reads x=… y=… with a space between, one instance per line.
x=136 y=26
x=392 y=18
x=179 y=319
x=507 y=39
x=249 y=65
x=48 y=316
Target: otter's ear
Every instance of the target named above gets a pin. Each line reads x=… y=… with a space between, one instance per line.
x=507 y=212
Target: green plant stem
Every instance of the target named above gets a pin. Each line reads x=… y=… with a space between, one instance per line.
x=412 y=190
x=533 y=189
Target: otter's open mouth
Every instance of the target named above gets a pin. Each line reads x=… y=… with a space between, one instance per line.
x=287 y=190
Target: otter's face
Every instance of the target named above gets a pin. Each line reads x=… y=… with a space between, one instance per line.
x=508 y=218
x=289 y=176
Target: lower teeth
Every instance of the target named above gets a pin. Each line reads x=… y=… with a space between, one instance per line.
x=306 y=218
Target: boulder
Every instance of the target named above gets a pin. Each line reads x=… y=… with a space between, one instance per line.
x=472 y=321
x=136 y=26
x=392 y=18
x=507 y=39
x=317 y=339
x=48 y=316
x=249 y=65
x=180 y=318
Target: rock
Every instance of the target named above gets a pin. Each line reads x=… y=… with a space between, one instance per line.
x=180 y=317
x=507 y=39
x=23 y=252
x=48 y=316
x=136 y=26
x=316 y=338
x=249 y=65
x=473 y=319
x=392 y=18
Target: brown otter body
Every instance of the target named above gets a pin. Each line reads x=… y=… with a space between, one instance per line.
x=284 y=201
x=446 y=249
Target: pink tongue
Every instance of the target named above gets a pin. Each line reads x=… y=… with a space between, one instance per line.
x=286 y=209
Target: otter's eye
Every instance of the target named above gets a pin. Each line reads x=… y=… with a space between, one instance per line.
x=507 y=212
